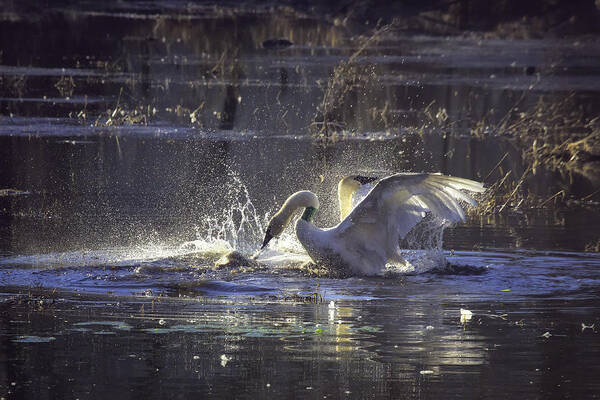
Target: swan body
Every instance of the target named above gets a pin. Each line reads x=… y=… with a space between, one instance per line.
x=367 y=238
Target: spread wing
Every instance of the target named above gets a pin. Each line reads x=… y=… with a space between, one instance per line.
x=347 y=191
x=397 y=203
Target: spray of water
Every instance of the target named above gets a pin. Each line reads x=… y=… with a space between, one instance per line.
x=238 y=226
x=422 y=247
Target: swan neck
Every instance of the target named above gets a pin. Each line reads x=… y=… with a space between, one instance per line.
x=303 y=199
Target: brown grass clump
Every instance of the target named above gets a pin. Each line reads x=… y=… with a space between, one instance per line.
x=553 y=133
x=65 y=86
x=348 y=81
x=555 y=136
x=123 y=116
x=593 y=247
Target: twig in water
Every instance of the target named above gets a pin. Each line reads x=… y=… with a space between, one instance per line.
x=497 y=165
x=553 y=196
x=591 y=195
x=516 y=188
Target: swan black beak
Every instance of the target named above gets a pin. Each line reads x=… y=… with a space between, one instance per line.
x=268 y=238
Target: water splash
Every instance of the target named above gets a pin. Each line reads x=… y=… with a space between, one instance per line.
x=238 y=226
x=422 y=247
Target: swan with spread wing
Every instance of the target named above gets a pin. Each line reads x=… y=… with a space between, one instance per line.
x=368 y=236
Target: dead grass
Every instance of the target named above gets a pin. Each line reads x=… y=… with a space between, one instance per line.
x=65 y=86
x=349 y=80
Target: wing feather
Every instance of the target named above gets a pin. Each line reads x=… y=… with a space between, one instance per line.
x=399 y=202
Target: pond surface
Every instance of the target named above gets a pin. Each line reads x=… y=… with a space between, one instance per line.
x=141 y=142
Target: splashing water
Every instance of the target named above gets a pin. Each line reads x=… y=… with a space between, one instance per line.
x=239 y=226
x=422 y=247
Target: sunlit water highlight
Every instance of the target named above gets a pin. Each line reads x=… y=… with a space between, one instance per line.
x=110 y=256
x=203 y=266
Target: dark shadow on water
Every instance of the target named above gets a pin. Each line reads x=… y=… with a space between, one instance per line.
x=459 y=270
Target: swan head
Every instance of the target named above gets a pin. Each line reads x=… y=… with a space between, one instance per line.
x=282 y=218
x=276 y=226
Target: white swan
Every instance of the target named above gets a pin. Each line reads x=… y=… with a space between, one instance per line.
x=368 y=236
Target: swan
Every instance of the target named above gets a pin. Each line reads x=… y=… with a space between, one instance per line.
x=367 y=238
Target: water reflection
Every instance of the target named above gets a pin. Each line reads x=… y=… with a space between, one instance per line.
x=129 y=137
x=286 y=348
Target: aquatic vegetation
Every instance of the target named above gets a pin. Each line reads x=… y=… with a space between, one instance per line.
x=122 y=326
x=348 y=81
x=554 y=136
x=36 y=299
x=65 y=86
x=34 y=339
x=121 y=115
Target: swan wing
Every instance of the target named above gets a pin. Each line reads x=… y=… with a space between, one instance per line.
x=399 y=202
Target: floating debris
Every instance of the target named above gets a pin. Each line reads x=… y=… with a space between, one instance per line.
x=465 y=315
x=546 y=335
x=426 y=372
x=224 y=360
x=584 y=327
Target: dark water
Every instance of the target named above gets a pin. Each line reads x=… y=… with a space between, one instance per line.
x=108 y=244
